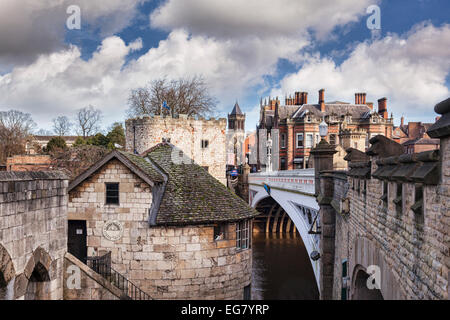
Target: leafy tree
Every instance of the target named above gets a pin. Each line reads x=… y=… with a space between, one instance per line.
x=184 y=96
x=116 y=134
x=99 y=140
x=54 y=144
x=80 y=141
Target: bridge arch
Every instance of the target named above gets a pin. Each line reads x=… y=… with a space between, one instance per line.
x=297 y=206
x=366 y=253
x=7 y=274
x=37 y=273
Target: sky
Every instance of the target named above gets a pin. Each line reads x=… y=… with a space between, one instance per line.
x=245 y=50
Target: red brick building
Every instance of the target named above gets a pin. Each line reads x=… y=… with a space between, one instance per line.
x=414 y=138
x=349 y=125
x=29 y=163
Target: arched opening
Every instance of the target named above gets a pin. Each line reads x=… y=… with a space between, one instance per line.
x=281 y=265
x=38 y=287
x=7 y=275
x=361 y=290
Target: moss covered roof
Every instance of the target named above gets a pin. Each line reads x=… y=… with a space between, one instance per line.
x=191 y=194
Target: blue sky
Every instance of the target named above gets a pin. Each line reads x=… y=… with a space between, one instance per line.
x=244 y=49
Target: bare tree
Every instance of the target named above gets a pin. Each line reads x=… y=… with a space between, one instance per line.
x=88 y=121
x=62 y=126
x=15 y=128
x=183 y=96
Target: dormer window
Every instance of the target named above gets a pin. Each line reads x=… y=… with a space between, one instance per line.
x=308 y=118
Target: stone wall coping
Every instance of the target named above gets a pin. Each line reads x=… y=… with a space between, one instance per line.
x=32 y=175
x=95 y=276
x=420 y=167
x=441 y=128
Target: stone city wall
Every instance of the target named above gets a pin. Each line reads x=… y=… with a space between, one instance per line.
x=33 y=234
x=409 y=245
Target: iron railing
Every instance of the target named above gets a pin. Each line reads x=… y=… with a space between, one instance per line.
x=102 y=265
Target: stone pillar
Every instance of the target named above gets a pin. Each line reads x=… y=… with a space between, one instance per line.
x=441 y=130
x=290 y=145
x=323 y=160
x=324 y=185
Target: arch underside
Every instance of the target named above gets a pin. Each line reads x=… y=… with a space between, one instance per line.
x=365 y=254
x=297 y=207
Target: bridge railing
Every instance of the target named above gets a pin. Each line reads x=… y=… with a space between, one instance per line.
x=301 y=180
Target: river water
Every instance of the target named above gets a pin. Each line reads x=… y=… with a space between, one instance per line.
x=281 y=269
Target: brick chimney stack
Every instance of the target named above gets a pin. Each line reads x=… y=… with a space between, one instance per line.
x=360 y=98
x=297 y=99
x=322 y=100
x=382 y=108
x=402 y=121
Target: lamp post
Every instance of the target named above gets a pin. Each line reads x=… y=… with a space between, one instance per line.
x=323 y=129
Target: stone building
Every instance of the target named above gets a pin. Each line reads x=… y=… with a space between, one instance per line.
x=33 y=235
x=298 y=124
x=202 y=140
x=386 y=219
x=171 y=228
x=236 y=137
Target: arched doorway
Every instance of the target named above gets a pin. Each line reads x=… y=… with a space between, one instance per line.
x=37 y=272
x=361 y=290
x=7 y=275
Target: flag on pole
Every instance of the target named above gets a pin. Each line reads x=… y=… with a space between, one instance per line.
x=165 y=105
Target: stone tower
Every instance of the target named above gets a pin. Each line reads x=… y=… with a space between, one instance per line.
x=236 y=136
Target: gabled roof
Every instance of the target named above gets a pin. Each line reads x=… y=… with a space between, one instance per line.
x=136 y=164
x=192 y=195
x=236 y=110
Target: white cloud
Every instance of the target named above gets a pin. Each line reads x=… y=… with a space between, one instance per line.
x=29 y=27
x=260 y=18
x=409 y=70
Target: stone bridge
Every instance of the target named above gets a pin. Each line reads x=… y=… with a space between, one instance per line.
x=292 y=193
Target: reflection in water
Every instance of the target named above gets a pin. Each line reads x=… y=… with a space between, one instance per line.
x=281 y=269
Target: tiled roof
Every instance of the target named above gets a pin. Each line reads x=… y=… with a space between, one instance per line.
x=192 y=195
x=355 y=110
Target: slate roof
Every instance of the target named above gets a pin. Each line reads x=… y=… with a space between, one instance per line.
x=146 y=171
x=192 y=195
x=421 y=141
x=355 y=110
x=237 y=110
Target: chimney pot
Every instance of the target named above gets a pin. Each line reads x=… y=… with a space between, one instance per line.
x=305 y=100
x=363 y=98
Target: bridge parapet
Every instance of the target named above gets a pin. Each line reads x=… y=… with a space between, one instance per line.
x=289 y=180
